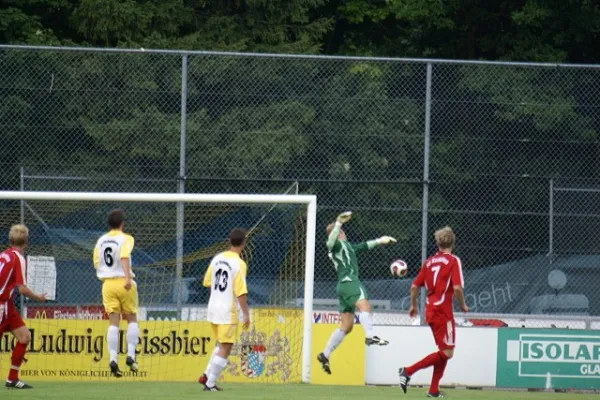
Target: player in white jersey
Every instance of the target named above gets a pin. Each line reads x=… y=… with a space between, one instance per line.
x=226 y=277
x=112 y=260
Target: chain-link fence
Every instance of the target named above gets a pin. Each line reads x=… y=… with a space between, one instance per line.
x=507 y=154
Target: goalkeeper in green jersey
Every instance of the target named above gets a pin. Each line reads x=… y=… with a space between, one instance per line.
x=351 y=293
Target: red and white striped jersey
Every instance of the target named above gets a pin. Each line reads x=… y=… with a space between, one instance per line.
x=12 y=273
x=439 y=274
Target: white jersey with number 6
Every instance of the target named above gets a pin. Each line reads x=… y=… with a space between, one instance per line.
x=226 y=277
x=109 y=251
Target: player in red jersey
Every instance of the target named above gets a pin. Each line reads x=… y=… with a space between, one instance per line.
x=441 y=275
x=12 y=276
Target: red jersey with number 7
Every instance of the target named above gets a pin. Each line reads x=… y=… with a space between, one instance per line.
x=439 y=274
x=12 y=273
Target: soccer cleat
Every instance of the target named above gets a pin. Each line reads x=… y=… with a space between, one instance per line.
x=18 y=384
x=375 y=340
x=203 y=379
x=212 y=389
x=324 y=363
x=132 y=364
x=114 y=369
x=438 y=395
x=404 y=379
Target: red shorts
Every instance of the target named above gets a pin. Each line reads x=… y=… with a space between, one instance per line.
x=10 y=319
x=444 y=333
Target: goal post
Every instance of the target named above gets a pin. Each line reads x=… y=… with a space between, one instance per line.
x=308 y=201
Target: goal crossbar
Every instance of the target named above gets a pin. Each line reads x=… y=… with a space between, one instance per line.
x=309 y=200
x=161 y=197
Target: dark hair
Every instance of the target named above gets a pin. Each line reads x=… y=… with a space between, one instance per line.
x=116 y=219
x=237 y=237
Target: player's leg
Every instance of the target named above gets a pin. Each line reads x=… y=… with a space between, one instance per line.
x=112 y=307
x=346 y=309
x=204 y=377
x=16 y=326
x=112 y=340
x=444 y=342
x=438 y=373
x=225 y=335
x=129 y=304
x=365 y=317
x=337 y=337
x=132 y=336
x=446 y=346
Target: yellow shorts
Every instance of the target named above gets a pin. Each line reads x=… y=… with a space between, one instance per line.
x=118 y=300
x=224 y=333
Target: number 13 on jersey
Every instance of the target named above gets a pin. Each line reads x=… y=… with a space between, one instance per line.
x=221 y=277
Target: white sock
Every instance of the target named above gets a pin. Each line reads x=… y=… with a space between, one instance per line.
x=210 y=360
x=334 y=341
x=217 y=366
x=112 y=338
x=132 y=338
x=366 y=320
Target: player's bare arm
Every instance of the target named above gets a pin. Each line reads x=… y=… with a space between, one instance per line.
x=459 y=292
x=25 y=291
x=127 y=271
x=243 y=302
x=414 y=294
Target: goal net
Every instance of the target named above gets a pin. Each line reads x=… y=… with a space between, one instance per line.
x=175 y=238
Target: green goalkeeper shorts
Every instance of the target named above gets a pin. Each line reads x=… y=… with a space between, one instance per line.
x=349 y=293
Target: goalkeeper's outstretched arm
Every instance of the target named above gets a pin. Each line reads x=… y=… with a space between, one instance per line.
x=334 y=229
x=333 y=235
x=371 y=244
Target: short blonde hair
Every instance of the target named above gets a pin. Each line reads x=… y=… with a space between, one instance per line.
x=18 y=235
x=445 y=238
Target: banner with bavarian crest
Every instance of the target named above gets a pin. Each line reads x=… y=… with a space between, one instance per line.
x=270 y=351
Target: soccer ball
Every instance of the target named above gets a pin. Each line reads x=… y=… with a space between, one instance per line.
x=399 y=268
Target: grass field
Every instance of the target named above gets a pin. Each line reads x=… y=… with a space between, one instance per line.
x=181 y=391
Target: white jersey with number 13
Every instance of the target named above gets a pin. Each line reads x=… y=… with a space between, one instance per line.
x=226 y=277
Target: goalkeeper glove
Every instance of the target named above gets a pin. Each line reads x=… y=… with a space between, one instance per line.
x=386 y=240
x=344 y=217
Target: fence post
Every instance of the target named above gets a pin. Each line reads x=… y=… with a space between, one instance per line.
x=181 y=183
x=22 y=222
x=551 y=222
x=426 y=155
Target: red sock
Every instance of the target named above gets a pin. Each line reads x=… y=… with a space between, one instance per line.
x=438 y=372
x=427 y=362
x=18 y=354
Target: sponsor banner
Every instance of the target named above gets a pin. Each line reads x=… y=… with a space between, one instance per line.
x=76 y=350
x=347 y=361
x=90 y=312
x=71 y=349
x=379 y=318
x=555 y=358
x=473 y=364
x=271 y=350
x=330 y=317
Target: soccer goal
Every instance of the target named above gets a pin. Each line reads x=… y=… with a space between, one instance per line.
x=169 y=260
